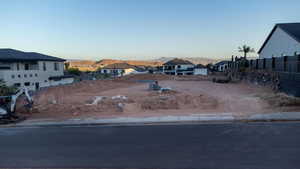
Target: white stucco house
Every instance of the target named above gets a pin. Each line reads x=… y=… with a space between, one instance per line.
x=200 y=70
x=178 y=67
x=31 y=70
x=284 y=40
x=221 y=66
x=119 y=69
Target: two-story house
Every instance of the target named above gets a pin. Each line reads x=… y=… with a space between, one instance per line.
x=118 y=69
x=178 y=67
x=31 y=70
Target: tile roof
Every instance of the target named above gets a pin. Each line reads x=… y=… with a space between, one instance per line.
x=119 y=66
x=292 y=29
x=16 y=55
x=178 y=62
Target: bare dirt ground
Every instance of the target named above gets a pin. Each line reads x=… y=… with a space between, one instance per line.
x=129 y=96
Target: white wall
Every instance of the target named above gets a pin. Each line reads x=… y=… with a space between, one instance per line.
x=280 y=43
x=61 y=82
x=119 y=71
x=40 y=76
x=200 y=71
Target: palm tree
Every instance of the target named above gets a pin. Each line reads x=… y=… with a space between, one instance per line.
x=246 y=49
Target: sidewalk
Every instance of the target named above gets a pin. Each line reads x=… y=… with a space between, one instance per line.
x=223 y=117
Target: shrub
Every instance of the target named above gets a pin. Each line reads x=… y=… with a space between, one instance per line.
x=6 y=90
x=74 y=71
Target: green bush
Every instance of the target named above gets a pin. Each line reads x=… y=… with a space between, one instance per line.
x=6 y=90
x=74 y=71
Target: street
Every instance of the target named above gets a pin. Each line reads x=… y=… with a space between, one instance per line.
x=201 y=146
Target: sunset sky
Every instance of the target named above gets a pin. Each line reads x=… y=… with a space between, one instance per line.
x=140 y=29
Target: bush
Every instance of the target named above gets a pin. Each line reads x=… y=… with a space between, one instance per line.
x=6 y=90
x=74 y=71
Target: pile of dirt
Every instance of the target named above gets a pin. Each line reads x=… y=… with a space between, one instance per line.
x=73 y=98
x=151 y=77
x=192 y=78
x=280 y=99
x=176 y=100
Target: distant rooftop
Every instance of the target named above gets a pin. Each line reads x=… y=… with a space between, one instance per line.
x=11 y=55
x=292 y=29
x=119 y=66
x=222 y=62
x=178 y=62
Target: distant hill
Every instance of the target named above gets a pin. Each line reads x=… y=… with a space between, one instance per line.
x=195 y=60
x=89 y=65
x=105 y=62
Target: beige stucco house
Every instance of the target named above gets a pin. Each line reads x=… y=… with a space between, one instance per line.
x=31 y=70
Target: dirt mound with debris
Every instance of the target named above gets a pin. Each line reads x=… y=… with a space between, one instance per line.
x=130 y=96
x=280 y=99
x=139 y=77
x=176 y=100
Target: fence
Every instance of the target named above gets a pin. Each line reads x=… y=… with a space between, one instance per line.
x=286 y=68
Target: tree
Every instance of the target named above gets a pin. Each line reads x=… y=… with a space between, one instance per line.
x=74 y=71
x=246 y=49
x=67 y=65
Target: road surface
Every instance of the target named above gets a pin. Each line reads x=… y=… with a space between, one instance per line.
x=207 y=146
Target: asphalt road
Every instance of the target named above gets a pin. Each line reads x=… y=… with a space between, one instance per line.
x=207 y=146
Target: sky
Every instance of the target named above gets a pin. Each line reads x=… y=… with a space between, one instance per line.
x=140 y=29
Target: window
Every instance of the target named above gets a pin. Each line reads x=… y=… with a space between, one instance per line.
x=25 y=75
x=19 y=76
x=4 y=68
x=36 y=75
x=44 y=66
x=26 y=66
x=18 y=66
x=30 y=75
x=17 y=84
x=56 y=68
x=27 y=84
x=12 y=76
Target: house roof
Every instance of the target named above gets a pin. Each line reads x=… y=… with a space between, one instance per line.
x=222 y=62
x=16 y=55
x=178 y=62
x=292 y=29
x=200 y=66
x=119 y=66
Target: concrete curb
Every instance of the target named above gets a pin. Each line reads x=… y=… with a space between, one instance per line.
x=280 y=116
x=127 y=120
x=219 y=117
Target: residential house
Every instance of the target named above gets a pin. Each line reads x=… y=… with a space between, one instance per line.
x=284 y=40
x=221 y=66
x=178 y=67
x=118 y=69
x=200 y=70
x=31 y=70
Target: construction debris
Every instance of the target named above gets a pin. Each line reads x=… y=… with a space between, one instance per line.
x=154 y=86
x=119 y=97
x=125 y=96
x=97 y=100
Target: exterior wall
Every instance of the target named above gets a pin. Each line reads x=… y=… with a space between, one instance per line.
x=61 y=82
x=35 y=76
x=222 y=67
x=200 y=71
x=280 y=44
x=178 y=69
x=118 y=72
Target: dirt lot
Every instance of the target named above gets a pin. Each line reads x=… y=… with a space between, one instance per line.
x=129 y=96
